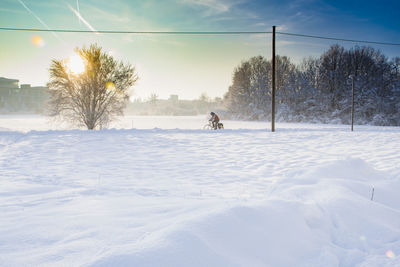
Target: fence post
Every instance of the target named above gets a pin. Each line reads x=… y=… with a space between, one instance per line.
x=273 y=81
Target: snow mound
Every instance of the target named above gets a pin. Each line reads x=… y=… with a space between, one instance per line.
x=324 y=217
x=240 y=236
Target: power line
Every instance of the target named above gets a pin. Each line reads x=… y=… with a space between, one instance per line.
x=138 y=32
x=198 y=33
x=337 y=39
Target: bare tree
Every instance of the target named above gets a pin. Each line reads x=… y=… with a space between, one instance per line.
x=153 y=98
x=204 y=97
x=94 y=96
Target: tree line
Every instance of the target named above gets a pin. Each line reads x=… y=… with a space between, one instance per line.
x=173 y=106
x=319 y=89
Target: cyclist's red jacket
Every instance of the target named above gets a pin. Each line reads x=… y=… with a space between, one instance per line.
x=216 y=118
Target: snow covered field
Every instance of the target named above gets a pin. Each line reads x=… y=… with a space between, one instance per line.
x=180 y=196
x=40 y=123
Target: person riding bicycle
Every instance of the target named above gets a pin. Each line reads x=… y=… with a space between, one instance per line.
x=214 y=119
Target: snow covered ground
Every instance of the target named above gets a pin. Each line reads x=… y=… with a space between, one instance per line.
x=180 y=196
x=40 y=123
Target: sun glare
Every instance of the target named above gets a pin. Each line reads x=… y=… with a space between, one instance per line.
x=38 y=41
x=76 y=64
x=390 y=254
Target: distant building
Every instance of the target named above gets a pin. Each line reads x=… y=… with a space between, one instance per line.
x=8 y=83
x=174 y=98
x=24 y=98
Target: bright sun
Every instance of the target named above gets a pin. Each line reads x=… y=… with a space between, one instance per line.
x=76 y=64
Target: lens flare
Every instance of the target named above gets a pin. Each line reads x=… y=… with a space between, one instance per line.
x=390 y=254
x=110 y=86
x=38 y=41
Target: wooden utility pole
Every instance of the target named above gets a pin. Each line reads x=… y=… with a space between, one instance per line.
x=273 y=81
x=352 y=102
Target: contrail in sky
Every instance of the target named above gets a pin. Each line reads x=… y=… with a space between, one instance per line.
x=36 y=17
x=77 y=8
x=82 y=19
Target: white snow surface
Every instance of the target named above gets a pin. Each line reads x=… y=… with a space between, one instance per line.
x=177 y=195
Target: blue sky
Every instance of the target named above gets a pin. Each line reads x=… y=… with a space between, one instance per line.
x=185 y=65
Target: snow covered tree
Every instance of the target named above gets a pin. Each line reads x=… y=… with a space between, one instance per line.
x=319 y=90
x=250 y=92
x=260 y=90
x=238 y=97
x=333 y=75
x=286 y=80
x=90 y=89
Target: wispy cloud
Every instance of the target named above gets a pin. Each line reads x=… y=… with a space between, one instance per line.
x=10 y=10
x=38 y=19
x=298 y=4
x=82 y=19
x=100 y=13
x=283 y=27
x=214 y=6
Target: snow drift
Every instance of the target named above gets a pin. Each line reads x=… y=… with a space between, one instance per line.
x=298 y=197
x=323 y=218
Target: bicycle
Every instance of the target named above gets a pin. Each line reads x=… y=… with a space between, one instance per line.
x=210 y=126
